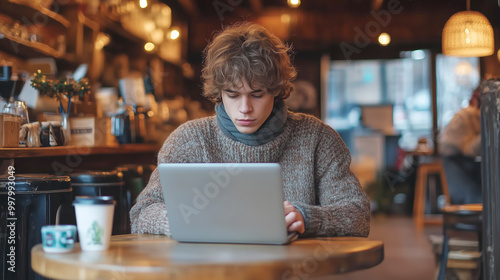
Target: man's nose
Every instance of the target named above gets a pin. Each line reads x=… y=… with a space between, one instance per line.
x=245 y=105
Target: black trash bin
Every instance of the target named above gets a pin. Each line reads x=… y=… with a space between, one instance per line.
x=34 y=200
x=104 y=183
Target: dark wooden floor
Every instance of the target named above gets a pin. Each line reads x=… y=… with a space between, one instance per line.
x=408 y=254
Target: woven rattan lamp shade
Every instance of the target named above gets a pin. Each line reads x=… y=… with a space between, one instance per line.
x=468 y=33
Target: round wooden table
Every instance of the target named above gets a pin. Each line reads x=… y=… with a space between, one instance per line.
x=134 y=257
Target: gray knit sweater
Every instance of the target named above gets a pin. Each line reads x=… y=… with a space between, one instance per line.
x=316 y=174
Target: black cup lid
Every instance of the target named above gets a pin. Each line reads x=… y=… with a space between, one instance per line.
x=96 y=177
x=35 y=182
x=94 y=200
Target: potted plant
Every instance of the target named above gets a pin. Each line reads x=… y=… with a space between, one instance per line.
x=64 y=91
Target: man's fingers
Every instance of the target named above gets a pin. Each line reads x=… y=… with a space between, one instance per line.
x=290 y=218
x=296 y=226
x=288 y=207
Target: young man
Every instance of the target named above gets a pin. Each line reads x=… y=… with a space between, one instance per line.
x=247 y=73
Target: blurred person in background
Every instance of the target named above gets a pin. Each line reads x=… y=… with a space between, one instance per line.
x=460 y=150
x=462 y=136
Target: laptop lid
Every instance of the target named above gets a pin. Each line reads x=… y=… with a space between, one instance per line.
x=224 y=202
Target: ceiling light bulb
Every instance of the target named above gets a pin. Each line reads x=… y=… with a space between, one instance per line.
x=149 y=46
x=174 y=34
x=384 y=39
x=293 y=3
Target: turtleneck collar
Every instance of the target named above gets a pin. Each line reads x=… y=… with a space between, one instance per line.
x=271 y=128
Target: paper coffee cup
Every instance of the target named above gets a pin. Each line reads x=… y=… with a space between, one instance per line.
x=58 y=238
x=94 y=220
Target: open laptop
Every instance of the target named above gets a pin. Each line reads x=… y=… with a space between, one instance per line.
x=225 y=202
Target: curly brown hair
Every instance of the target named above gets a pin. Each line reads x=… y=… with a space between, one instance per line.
x=251 y=52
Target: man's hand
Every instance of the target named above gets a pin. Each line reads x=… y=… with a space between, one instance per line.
x=293 y=218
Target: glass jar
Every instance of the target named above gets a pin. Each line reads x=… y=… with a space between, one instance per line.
x=17 y=108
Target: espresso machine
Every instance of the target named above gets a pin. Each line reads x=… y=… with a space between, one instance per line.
x=11 y=84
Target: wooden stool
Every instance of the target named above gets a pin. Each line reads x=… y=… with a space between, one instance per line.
x=467 y=217
x=423 y=171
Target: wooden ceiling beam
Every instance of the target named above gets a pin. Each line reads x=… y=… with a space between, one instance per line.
x=321 y=29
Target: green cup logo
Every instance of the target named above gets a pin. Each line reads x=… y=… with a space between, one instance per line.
x=95 y=234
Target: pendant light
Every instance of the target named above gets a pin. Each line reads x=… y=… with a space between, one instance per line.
x=468 y=34
x=293 y=3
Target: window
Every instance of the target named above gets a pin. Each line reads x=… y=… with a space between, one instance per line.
x=457 y=77
x=403 y=82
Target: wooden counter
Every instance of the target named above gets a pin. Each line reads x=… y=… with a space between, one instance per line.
x=71 y=150
x=67 y=159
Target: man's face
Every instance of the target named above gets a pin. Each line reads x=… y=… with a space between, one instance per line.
x=247 y=108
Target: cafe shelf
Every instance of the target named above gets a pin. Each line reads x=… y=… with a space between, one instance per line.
x=69 y=150
x=70 y=158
